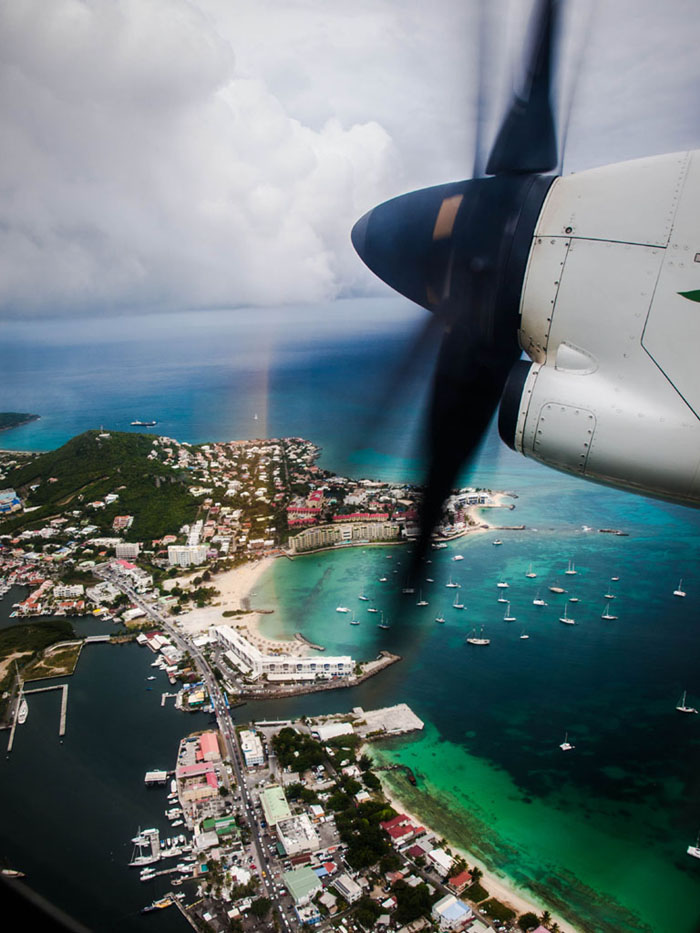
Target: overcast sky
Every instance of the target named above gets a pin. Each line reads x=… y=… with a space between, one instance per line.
x=215 y=153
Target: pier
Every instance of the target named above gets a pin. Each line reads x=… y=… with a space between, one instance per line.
x=166 y=696
x=62 y=716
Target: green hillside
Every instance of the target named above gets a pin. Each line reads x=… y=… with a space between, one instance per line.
x=87 y=468
x=12 y=419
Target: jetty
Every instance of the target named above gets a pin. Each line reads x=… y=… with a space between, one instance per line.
x=62 y=716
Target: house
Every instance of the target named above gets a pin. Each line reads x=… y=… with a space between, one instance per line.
x=459 y=882
x=451 y=913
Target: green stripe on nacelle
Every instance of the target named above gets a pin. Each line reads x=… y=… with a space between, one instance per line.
x=691 y=296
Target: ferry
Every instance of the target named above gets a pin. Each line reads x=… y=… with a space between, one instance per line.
x=157 y=905
x=143 y=424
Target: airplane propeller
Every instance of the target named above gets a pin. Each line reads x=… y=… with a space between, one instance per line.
x=460 y=250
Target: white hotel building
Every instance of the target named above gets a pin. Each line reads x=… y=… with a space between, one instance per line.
x=279 y=667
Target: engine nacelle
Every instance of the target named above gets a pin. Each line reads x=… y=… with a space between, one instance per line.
x=610 y=317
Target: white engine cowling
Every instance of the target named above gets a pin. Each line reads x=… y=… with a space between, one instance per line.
x=610 y=317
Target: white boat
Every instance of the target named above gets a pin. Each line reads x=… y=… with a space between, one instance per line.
x=557 y=589
x=354 y=621
x=524 y=636
x=457 y=605
x=614 y=579
x=452 y=586
x=382 y=579
x=682 y=707
x=23 y=711
x=429 y=580
x=342 y=609
x=502 y=599
x=382 y=623
x=152 y=677
x=496 y=542
x=573 y=599
x=607 y=614
x=571 y=569
x=507 y=617
x=694 y=850
x=371 y=609
x=530 y=573
x=680 y=591
x=538 y=601
x=364 y=598
x=458 y=557
x=421 y=601
x=479 y=639
x=566 y=745
x=502 y=585
x=566 y=619
x=440 y=619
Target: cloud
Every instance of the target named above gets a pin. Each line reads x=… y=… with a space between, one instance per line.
x=200 y=153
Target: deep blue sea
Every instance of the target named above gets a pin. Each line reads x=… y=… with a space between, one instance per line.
x=600 y=832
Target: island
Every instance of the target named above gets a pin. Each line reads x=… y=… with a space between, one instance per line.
x=14 y=419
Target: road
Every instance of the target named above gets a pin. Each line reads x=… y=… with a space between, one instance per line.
x=225 y=724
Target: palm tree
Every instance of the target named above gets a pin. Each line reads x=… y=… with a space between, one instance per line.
x=545 y=918
x=476 y=874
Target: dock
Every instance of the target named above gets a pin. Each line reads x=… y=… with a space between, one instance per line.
x=62 y=716
x=166 y=696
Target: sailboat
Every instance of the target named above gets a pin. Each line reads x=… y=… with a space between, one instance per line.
x=566 y=745
x=372 y=609
x=479 y=639
x=354 y=621
x=538 y=601
x=507 y=617
x=566 y=619
x=363 y=597
x=383 y=624
x=502 y=585
x=695 y=850
x=607 y=614
x=524 y=635
x=458 y=557
x=680 y=591
x=342 y=609
x=609 y=594
x=421 y=601
x=440 y=619
x=456 y=604
x=557 y=589
x=530 y=573
x=452 y=585
x=682 y=708
x=571 y=569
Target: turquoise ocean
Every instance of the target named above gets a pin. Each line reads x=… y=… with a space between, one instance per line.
x=600 y=833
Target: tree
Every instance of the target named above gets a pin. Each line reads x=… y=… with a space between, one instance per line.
x=528 y=921
x=261 y=907
x=545 y=918
x=477 y=874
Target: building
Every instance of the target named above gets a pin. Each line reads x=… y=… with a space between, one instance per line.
x=274 y=804
x=342 y=534
x=298 y=835
x=347 y=888
x=252 y=749
x=127 y=549
x=122 y=522
x=459 y=882
x=330 y=730
x=9 y=501
x=209 y=747
x=68 y=591
x=185 y=555
x=441 y=860
x=451 y=913
x=302 y=884
x=278 y=667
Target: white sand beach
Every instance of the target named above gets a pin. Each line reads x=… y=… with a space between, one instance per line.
x=500 y=888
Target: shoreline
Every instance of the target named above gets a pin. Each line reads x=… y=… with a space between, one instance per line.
x=500 y=887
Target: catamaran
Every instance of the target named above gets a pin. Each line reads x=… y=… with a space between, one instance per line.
x=680 y=591
x=682 y=707
x=507 y=617
x=566 y=619
x=566 y=745
x=479 y=639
